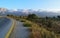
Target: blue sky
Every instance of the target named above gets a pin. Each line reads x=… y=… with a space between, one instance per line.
x=30 y=4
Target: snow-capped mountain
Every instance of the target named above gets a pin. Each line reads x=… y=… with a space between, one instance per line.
x=25 y=12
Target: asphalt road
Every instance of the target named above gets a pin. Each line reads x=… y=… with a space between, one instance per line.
x=20 y=31
x=5 y=24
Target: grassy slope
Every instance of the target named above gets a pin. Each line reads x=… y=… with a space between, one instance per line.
x=39 y=32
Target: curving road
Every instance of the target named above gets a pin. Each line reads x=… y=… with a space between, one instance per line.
x=20 y=31
x=5 y=24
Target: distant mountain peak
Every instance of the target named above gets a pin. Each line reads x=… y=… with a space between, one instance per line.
x=3 y=9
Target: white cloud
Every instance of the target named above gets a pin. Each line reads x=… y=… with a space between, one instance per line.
x=51 y=10
x=15 y=10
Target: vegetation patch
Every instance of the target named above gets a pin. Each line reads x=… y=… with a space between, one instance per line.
x=22 y=20
x=27 y=25
x=41 y=27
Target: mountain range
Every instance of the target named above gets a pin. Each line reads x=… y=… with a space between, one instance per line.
x=25 y=12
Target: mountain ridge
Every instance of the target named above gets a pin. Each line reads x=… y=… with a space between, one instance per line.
x=23 y=12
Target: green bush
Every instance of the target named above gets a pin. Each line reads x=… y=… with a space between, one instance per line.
x=22 y=20
x=27 y=25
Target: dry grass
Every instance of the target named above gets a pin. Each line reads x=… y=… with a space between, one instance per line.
x=40 y=32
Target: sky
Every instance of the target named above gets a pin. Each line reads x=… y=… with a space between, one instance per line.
x=31 y=4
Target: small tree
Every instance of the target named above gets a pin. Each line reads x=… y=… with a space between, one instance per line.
x=58 y=16
x=47 y=17
x=7 y=15
x=32 y=16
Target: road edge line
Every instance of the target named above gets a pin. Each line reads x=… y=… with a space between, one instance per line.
x=9 y=32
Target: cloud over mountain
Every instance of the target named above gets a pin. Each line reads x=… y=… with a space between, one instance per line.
x=25 y=12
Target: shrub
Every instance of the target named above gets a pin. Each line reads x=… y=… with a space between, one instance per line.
x=27 y=25
x=22 y=20
x=32 y=16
